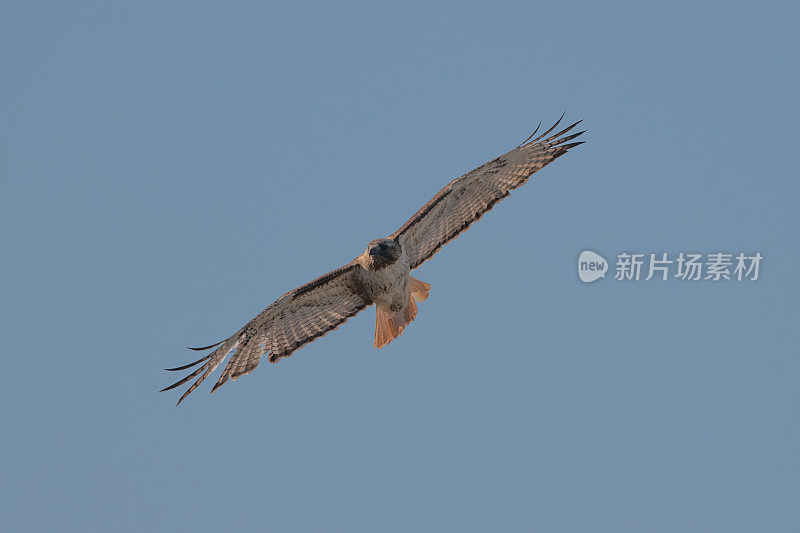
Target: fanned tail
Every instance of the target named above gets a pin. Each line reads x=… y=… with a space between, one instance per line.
x=390 y=324
x=419 y=289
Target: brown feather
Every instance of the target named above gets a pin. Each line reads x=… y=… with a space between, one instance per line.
x=465 y=199
x=295 y=319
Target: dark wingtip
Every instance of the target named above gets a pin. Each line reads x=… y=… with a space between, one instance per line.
x=531 y=135
x=562 y=132
x=573 y=145
x=219 y=383
x=543 y=135
x=564 y=147
x=185 y=394
x=188 y=392
x=165 y=389
x=205 y=347
x=184 y=380
x=568 y=138
x=189 y=365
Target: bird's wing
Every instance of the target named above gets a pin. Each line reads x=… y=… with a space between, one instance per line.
x=296 y=318
x=464 y=200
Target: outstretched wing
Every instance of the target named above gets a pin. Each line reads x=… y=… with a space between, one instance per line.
x=296 y=318
x=464 y=200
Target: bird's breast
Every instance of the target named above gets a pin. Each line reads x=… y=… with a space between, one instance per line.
x=387 y=285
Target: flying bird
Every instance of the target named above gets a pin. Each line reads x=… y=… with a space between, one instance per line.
x=381 y=274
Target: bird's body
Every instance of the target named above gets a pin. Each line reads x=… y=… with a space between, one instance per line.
x=381 y=274
x=387 y=286
x=385 y=277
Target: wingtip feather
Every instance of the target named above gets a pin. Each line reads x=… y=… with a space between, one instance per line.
x=543 y=135
x=568 y=138
x=184 y=380
x=562 y=132
x=531 y=135
x=200 y=349
x=188 y=365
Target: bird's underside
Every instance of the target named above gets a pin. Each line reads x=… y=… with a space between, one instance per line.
x=380 y=275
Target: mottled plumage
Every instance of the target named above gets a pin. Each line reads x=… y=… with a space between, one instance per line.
x=380 y=275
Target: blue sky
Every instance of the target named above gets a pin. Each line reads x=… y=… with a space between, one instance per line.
x=169 y=169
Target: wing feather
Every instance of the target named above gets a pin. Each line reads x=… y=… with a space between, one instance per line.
x=465 y=199
x=293 y=320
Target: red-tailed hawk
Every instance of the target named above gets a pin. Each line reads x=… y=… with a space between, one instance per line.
x=381 y=274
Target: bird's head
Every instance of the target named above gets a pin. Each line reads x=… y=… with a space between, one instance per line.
x=381 y=253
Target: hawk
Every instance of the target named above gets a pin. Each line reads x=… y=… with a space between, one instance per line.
x=381 y=274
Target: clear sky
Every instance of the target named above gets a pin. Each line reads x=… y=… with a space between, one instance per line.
x=169 y=169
